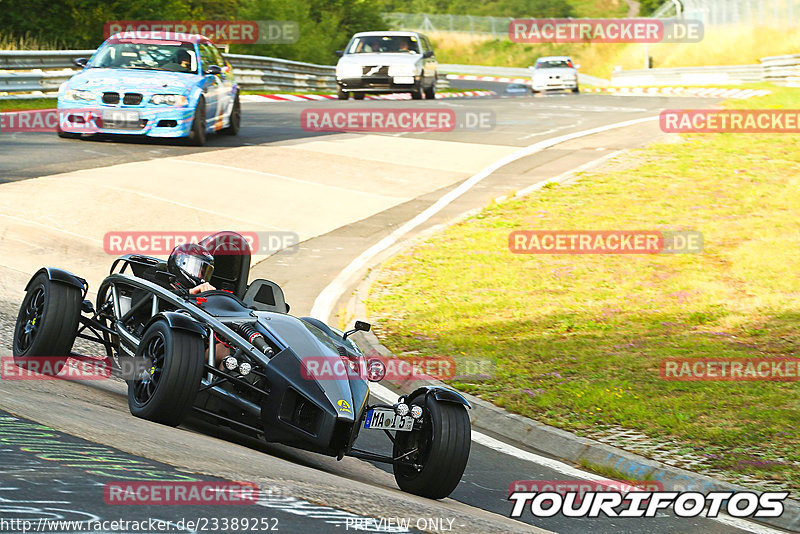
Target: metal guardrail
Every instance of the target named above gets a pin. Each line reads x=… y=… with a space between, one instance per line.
x=28 y=71
x=510 y=72
x=775 y=69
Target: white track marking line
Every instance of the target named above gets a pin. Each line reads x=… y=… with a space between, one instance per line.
x=281 y=177
x=181 y=204
x=323 y=304
x=52 y=228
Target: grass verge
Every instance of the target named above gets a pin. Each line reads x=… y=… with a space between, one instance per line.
x=577 y=341
x=27 y=103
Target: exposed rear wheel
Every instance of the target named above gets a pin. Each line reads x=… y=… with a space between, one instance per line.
x=47 y=322
x=439 y=450
x=359 y=96
x=165 y=390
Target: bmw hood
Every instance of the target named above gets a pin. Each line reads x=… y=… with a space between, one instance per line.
x=122 y=80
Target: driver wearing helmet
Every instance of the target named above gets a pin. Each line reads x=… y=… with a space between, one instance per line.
x=192 y=266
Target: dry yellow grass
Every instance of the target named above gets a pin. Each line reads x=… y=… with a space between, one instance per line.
x=733 y=45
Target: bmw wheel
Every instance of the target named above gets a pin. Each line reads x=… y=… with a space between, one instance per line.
x=235 y=120
x=197 y=135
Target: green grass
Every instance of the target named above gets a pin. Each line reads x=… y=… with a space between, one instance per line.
x=27 y=103
x=577 y=340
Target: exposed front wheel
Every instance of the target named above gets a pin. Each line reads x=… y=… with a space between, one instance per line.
x=439 y=450
x=576 y=89
x=416 y=94
x=430 y=92
x=47 y=321
x=235 y=120
x=165 y=389
x=197 y=135
x=341 y=94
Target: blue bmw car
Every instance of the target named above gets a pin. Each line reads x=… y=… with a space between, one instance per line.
x=151 y=86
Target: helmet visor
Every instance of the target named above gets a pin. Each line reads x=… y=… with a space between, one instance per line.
x=197 y=267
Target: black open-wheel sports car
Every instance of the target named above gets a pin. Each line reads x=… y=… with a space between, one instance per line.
x=164 y=343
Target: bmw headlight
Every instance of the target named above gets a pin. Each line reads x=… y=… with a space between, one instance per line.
x=83 y=95
x=348 y=71
x=169 y=100
x=403 y=70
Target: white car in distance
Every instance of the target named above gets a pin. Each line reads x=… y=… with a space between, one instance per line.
x=554 y=73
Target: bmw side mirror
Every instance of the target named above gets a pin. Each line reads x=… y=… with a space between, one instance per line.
x=80 y=62
x=214 y=69
x=339 y=53
x=427 y=54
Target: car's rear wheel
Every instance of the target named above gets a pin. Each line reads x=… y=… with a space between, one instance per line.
x=166 y=389
x=359 y=96
x=439 y=449
x=235 y=120
x=47 y=322
x=197 y=135
x=341 y=94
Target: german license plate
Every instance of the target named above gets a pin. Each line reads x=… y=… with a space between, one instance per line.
x=386 y=419
x=121 y=119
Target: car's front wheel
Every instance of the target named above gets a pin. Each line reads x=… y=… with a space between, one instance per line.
x=341 y=94
x=197 y=135
x=167 y=386
x=235 y=120
x=416 y=94
x=47 y=321
x=438 y=450
x=576 y=89
x=430 y=92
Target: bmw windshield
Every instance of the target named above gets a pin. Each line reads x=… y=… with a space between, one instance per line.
x=135 y=54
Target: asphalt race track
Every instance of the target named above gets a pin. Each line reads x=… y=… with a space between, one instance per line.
x=341 y=193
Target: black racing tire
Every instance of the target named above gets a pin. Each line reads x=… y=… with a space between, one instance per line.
x=66 y=135
x=416 y=94
x=445 y=442
x=576 y=89
x=359 y=96
x=236 y=119
x=47 y=322
x=430 y=92
x=341 y=94
x=197 y=135
x=175 y=371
